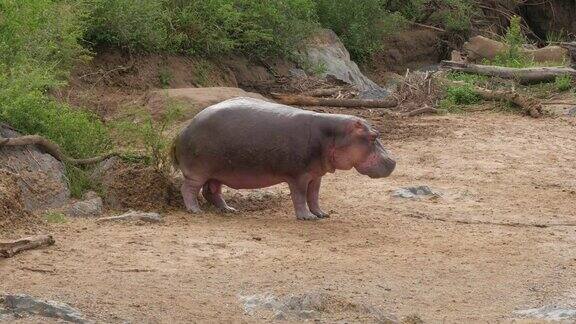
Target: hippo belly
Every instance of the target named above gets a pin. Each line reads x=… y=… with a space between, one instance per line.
x=247 y=180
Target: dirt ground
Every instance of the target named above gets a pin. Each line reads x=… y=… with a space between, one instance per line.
x=498 y=240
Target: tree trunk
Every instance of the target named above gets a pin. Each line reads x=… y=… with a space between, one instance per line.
x=524 y=75
x=297 y=100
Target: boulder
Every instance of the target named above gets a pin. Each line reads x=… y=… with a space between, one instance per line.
x=41 y=178
x=479 y=48
x=324 y=49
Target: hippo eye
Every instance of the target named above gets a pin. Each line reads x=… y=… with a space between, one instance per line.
x=373 y=136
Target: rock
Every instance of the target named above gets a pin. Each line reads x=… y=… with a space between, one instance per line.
x=193 y=100
x=325 y=49
x=309 y=306
x=134 y=216
x=571 y=112
x=42 y=177
x=479 y=48
x=23 y=304
x=103 y=168
x=415 y=192
x=92 y=207
x=304 y=306
x=549 y=313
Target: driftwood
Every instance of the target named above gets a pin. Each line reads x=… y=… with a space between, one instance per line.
x=297 y=100
x=531 y=106
x=9 y=249
x=524 y=75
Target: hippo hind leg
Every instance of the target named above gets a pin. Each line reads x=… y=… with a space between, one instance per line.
x=190 y=190
x=212 y=191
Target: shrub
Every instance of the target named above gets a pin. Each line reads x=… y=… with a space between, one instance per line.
x=360 y=24
x=515 y=39
x=129 y=24
x=39 y=45
x=209 y=27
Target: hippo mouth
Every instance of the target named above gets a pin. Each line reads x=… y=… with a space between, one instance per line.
x=378 y=164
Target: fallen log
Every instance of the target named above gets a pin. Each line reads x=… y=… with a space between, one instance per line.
x=9 y=249
x=530 y=105
x=523 y=75
x=297 y=100
x=322 y=92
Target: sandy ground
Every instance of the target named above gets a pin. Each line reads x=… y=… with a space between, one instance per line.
x=500 y=239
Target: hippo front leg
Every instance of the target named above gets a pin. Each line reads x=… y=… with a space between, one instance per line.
x=298 y=192
x=312 y=197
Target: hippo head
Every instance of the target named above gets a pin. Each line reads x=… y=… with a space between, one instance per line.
x=359 y=147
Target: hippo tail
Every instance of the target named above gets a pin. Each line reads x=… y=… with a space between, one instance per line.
x=173 y=157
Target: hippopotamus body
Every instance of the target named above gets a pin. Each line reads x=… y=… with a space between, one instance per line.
x=246 y=143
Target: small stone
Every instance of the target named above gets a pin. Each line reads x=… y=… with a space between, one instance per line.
x=90 y=195
x=415 y=192
x=23 y=304
x=571 y=112
x=88 y=208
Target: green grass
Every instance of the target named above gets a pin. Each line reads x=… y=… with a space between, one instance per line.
x=55 y=218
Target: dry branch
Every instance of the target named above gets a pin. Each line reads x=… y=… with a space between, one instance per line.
x=524 y=75
x=530 y=105
x=9 y=249
x=297 y=100
x=52 y=149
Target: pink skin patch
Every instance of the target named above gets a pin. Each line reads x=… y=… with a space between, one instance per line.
x=370 y=162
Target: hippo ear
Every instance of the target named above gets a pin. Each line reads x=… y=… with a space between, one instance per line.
x=358 y=128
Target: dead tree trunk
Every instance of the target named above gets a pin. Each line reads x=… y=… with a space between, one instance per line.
x=297 y=100
x=524 y=75
x=9 y=249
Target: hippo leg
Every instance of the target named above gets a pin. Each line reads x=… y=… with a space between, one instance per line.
x=190 y=190
x=312 y=196
x=212 y=191
x=298 y=191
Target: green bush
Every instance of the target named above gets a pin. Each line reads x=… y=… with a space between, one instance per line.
x=563 y=83
x=130 y=24
x=457 y=96
x=360 y=24
x=209 y=27
x=515 y=39
x=39 y=44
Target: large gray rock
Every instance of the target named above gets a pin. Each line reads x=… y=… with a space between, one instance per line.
x=23 y=304
x=42 y=178
x=326 y=50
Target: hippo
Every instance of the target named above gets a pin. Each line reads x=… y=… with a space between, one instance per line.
x=247 y=143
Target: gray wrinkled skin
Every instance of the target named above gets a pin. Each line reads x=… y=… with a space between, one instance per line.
x=246 y=143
